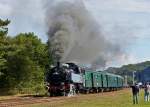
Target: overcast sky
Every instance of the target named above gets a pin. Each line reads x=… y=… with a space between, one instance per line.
x=116 y=17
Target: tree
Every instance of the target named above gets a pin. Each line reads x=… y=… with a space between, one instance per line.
x=34 y=48
x=4 y=47
x=3 y=27
x=27 y=64
x=23 y=60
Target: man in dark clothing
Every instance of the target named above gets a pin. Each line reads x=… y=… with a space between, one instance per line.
x=135 y=92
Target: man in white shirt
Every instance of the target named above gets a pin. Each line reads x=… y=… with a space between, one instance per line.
x=147 y=92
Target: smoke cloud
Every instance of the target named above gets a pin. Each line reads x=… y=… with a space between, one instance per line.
x=76 y=35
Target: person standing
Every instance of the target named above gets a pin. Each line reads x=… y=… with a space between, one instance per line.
x=135 y=92
x=146 y=92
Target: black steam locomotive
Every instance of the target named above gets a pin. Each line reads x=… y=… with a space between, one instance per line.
x=64 y=79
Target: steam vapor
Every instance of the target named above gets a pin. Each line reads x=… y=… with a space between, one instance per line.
x=76 y=36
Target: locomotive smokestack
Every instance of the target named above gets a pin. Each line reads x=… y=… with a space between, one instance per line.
x=58 y=64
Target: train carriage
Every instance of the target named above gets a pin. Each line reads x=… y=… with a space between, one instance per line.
x=120 y=81
x=104 y=81
x=97 y=79
x=87 y=81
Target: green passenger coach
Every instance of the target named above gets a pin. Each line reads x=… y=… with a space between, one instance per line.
x=88 y=79
x=98 y=81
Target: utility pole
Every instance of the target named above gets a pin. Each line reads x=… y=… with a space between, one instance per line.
x=133 y=74
x=126 y=81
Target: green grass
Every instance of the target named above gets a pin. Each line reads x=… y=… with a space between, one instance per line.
x=121 y=98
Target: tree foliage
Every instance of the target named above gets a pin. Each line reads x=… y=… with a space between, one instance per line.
x=3 y=28
x=23 y=60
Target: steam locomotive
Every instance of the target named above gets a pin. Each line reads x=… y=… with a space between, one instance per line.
x=69 y=79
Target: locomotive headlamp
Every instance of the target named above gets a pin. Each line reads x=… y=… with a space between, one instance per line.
x=65 y=65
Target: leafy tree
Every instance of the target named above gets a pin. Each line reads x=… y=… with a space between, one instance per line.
x=23 y=60
x=4 y=47
x=3 y=27
x=27 y=64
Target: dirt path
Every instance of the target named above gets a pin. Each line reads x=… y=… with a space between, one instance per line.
x=22 y=101
x=27 y=100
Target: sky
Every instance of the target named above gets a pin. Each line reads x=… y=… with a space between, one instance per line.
x=128 y=18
